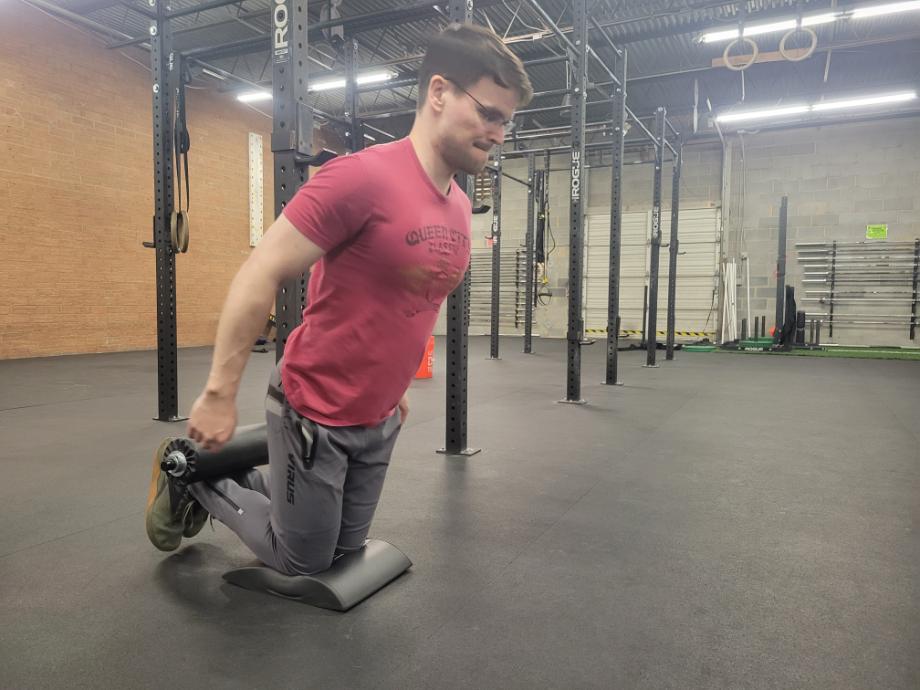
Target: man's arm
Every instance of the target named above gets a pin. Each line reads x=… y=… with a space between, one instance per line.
x=282 y=254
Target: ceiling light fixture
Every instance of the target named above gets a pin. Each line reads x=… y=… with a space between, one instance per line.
x=812 y=20
x=252 y=96
x=368 y=78
x=786 y=111
x=869 y=100
x=773 y=27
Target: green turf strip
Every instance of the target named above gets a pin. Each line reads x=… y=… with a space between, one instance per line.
x=853 y=353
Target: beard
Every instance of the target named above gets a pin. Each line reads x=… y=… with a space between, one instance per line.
x=464 y=156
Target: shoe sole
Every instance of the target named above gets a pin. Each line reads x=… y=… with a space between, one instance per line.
x=152 y=493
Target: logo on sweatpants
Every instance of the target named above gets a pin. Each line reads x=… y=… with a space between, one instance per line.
x=290 y=479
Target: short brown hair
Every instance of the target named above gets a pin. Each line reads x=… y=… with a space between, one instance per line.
x=466 y=53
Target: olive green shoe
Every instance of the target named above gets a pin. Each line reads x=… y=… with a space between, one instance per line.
x=168 y=506
x=195 y=519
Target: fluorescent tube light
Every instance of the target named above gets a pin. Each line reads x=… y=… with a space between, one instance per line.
x=839 y=104
x=887 y=8
x=250 y=96
x=772 y=27
x=374 y=77
x=764 y=114
x=368 y=78
x=868 y=100
x=327 y=85
x=211 y=73
x=814 y=20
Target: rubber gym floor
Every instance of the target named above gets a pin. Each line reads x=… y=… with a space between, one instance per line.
x=719 y=522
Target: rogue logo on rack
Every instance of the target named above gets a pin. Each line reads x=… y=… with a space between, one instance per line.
x=576 y=175
x=280 y=38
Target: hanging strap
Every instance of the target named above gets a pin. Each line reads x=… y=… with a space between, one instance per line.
x=179 y=224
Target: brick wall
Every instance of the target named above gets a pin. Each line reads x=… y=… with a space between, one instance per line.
x=76 y=194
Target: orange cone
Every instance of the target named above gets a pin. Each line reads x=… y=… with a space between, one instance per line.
x=426 y=368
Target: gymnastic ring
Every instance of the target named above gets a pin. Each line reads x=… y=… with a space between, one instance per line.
x=744 y=66
x=808 y=53
x=179 y=231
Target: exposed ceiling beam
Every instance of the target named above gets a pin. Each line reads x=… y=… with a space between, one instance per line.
x=86 y=6
x=76 y=18
x=353 y=24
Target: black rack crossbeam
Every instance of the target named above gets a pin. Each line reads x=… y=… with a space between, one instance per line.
x=549 y=60
x=203 y=7
x=498 y=169
x=552 y=108
x=672 y=128
x=551 y=24
x=550 y=92
x=593 y=146
x=642 y=128
x=670 y=147
x=610 y=43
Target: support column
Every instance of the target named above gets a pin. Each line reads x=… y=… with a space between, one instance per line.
x=616 y=224
x=651 y=342
x=576 y=327
x=165 y=76
x=354 y=136
x=495 y=321
x=672 y=249
x=528 y=243
x=292 y=139
x=458 y=323
x=781 y=271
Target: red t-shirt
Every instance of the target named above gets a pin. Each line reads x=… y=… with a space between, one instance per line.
x=395 y=248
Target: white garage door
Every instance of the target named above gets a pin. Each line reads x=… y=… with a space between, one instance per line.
x=697 y=272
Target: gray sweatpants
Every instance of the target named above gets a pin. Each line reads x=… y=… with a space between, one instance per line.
x=322 y=490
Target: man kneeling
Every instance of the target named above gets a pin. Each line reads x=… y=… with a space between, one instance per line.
x=389 y=233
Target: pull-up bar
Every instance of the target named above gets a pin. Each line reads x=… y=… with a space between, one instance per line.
x=493 y=169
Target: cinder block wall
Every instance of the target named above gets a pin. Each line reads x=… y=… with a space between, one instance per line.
x=838 y=180
x=76 y=196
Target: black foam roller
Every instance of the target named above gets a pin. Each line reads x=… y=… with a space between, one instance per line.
x=248 y=448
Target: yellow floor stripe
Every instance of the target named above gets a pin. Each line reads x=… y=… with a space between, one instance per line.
x=686 y=334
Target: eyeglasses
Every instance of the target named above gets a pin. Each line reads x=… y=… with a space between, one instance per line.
x=492 y=116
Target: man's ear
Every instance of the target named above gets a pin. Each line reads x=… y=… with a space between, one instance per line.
x=438 y=87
